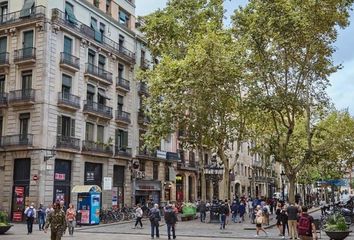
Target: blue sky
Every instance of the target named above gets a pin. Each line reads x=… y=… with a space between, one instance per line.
x=342 y=89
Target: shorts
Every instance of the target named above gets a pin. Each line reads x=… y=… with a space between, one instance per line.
x=279 y=223
x=259 y=225
x=306 y=237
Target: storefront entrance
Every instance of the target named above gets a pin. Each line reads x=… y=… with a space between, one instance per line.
x=20 y=192
x=147 y=191
x=62 y=181
x=179 y=188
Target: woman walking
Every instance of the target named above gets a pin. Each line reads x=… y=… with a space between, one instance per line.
x=284 y=220
x=139 y=216
x=278 y=218
x=259 y=221
x=70 y=218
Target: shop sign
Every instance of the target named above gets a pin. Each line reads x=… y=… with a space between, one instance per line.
x=161 y=154
x=59 y=176
x=90 y=176
x=85 y=216
x=148 y=186
x=17 y=216
x=107 y=183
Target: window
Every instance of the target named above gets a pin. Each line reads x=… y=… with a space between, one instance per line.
x=100 y=133
x=101 y=62
x=1 y=122
x=120 y=71
x=108 y=7
x=102 y=30
x=121 y=139
x=26 y=80
x=155 y=172
x=66 y=126
x=27 y=8
x=142 y=166
x=68 y=45
x=101 y=97
x=142 y=57
x=3 y=47
x=89 y=131
x=121 y=42
x=69 y=13
x=124 y=18
x=66 y=85
x=98 y=35
x=2 y=84
x=3 y=10
x=120 y=103
x=91 y=57
x=96 y=3
x=27 y=44
x=90 y=94
x=24 y=124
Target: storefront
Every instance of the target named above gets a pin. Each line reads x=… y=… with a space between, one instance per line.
x=20 y=193
x=147 y=191
x=118 y=186
x=62 y=181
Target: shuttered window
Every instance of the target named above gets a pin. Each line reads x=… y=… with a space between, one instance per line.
x=69 y=13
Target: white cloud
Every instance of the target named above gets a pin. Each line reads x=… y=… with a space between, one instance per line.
x=144 y=7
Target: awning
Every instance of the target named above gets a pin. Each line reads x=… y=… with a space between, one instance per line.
x=70 y=14
x=102 y=93
x=26 y=9
x=86 y=189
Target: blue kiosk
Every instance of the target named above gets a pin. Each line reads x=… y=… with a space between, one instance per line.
x=88 y=204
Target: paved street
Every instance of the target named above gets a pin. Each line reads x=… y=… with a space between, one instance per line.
x=185 y=230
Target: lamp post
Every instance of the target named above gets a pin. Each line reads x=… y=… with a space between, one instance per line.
x=282 y=176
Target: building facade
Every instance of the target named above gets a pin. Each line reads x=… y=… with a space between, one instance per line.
x=71 y=111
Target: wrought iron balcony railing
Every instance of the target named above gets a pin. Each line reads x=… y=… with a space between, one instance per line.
x=68 y=99
x=91 y=146
x=25 y=54
x=122 y=151
x=68 y=59
x=123 y=83
x=17 y=140
x=123 y=116
x=4 y=58
x=97 y=108
x=20 y=16
x=3 y=99
x=99 y=72
x=68 y=142
x=23 y=95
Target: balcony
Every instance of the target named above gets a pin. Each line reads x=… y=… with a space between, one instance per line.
x=121 y=151
x=4 y=60
x=3 y=100
x=25 y=56
x=143 y=119
x=67 y=100
x=122 y=117
x=143 y=89
x=66 y=142
x=22 y=97
x=172 y=156
x=187 y=165
x=146 y=154
x=96 y=147
x=69 y=62
x=123 y=84
x=98 y=110
x=98 y=74
x=144 y=64
x=21 y=18
x=80 y=29
x=17 y=140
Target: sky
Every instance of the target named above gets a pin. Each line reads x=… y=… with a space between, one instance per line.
x=342 y=82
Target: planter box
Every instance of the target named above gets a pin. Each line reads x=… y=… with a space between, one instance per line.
x=4 y=229
x=338 y=235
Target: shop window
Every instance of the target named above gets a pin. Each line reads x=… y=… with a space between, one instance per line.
x=155 y=172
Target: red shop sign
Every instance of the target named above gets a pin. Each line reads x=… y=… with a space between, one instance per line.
x=59 y=176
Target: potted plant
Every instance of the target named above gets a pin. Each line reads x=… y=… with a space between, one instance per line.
x=336 y=228
x=4 y=224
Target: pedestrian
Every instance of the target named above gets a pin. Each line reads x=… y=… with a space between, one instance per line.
x=49 y=209
x=202 y=210
x=155 y=218
x=284 y=220
x=57 y=223
x=259 y=221
x=171 y=220
x=266 y=214
x=71 y=219
x=41 y=217
x=234 y=211
x=30 y=213
x=293 y=214
x=222 y=214
x=139 y=216
x=242 y=210
x=278 y=218
x=306 y=226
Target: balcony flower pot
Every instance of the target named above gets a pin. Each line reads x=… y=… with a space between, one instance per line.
x=336 y=228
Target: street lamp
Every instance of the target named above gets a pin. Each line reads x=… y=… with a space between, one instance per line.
x=214 y=172
x=282 y=176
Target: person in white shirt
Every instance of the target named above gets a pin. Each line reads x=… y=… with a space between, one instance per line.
x=139 y=216
x=30 y=213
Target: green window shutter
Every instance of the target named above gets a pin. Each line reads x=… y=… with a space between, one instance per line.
x=68 y=43
x=69 y=11
x=27 y=8
x=59 y=126
x=98 y=35
x=125 y=139
x=67 y=81
x=72 y=127
x=3 y=44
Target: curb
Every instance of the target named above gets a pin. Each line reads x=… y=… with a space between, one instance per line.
x=274 y=224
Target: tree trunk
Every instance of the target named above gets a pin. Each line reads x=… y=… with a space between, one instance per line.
x=226 y=184
x=291 y=191
x=203 y=186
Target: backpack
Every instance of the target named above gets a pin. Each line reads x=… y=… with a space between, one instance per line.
x=265 y=210
x=30 y=213
x=304 y=226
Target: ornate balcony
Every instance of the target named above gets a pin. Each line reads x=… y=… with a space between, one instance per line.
x=96 y=147
x=22 y=97
x=146 y=154
x=144 y=64
x=17 y=140
x=3 y=100
x=69 y=62
x=123 y=84
x=143 y=89
x=98 y=110
x=25 y=56
x=121 y=151
x=142 y=118
x=80 y=28
x=98 y=73
x=122 y=117
x=22 y=18
x=4 y=60
x=68 y=100
x=66 y=142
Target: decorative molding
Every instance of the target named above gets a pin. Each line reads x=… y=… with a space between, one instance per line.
x=40 y=26
x=55 y=28
x=12 y=32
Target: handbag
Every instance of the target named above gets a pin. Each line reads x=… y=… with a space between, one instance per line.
x=259 y=220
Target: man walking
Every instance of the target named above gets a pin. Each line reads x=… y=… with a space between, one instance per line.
x=139 y=216
x=30 y=214
x=223 y=210
x=41 y=217
x=202 y=210
x=171 y=220
x=57 y=223
x=155 y=219
x=292 y=212
x=306 y=226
